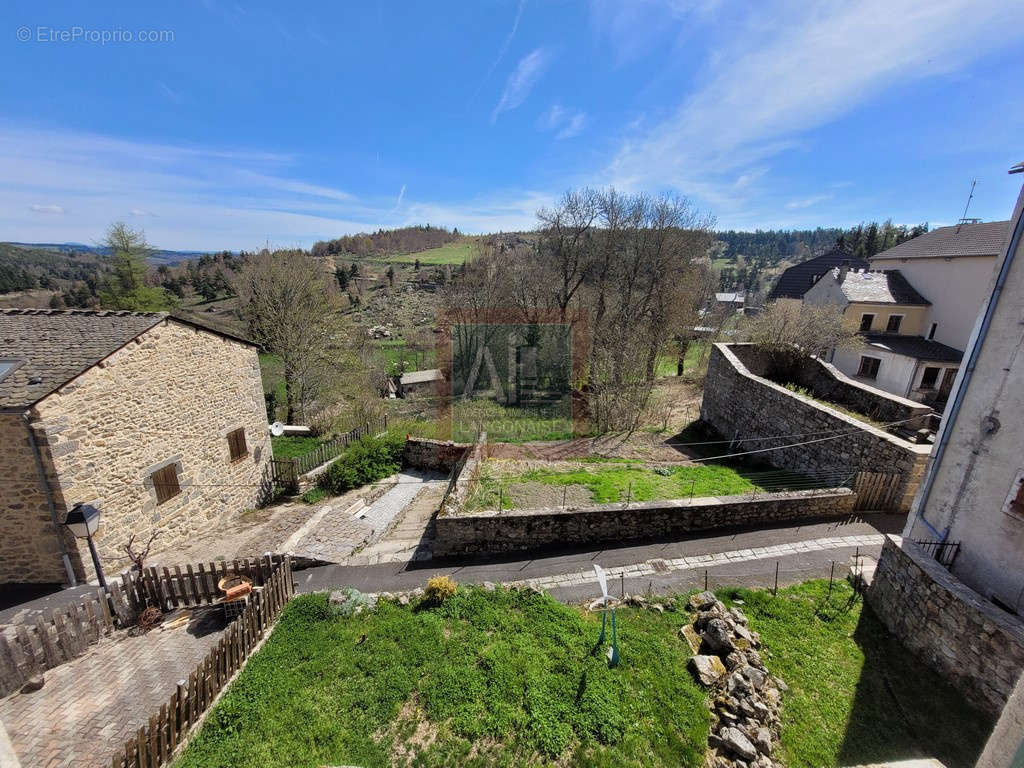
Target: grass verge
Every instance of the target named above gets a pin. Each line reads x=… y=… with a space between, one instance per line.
x=502 y=678
x=293 y=446
x=856 y=695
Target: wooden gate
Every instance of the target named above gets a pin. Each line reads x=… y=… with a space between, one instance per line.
x=877 y=491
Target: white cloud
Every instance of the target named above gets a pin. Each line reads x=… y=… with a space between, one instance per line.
x=208 y=198
x=788 y=68
x=567 y=122
x=807 y=202
x=504 y=47
x=521 y=81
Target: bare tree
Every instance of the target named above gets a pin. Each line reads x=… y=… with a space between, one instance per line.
x=790 y=331
x=292 y=311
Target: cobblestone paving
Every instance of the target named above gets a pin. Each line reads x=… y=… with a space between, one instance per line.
x=411 y=536
x=339 y=533
x=92 y=705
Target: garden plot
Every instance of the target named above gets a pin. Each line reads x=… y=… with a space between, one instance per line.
x=531 y=484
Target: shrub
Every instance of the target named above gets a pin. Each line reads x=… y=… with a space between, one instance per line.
x=368 y=459
x=314 y=495
x=439 y=589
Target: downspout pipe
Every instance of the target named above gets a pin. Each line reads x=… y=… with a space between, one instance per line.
x=72 y=581
x=954 y=409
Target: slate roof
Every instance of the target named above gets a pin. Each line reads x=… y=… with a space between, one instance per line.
x=916 y=347
x=883 y=287
x=981 y=239
x=422 y=377
x=52 y=346
x=794 y=282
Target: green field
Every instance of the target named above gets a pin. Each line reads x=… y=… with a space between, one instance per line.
x=452 y=253
x=502 y=678
x=511 y=424
x=857 y=696
x=399 y=356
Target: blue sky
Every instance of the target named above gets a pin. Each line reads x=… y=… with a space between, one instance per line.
x=246 y=123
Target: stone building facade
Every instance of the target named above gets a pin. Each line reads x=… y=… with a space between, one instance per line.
x=805 y=435
x=158 y=422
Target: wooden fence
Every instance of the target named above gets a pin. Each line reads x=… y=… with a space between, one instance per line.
x=55 y=637
x=155 y=743
x=288 y=471
x=61 y=634
x=169 y=588
x=877 y=490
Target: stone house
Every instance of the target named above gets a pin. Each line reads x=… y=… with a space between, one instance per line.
x=156 y=420
x=953 y=589
x=890 y=314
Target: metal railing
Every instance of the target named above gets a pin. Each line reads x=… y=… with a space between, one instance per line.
x=944 y=552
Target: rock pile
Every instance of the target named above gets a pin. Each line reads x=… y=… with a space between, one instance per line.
x=745 y=696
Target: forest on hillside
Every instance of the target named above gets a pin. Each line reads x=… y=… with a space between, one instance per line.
x=384 y=242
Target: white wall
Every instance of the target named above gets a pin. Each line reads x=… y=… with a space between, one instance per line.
x=956 y=288
x=984 y=455
x=894 y=372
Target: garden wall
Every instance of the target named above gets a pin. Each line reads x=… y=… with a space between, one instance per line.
x=437 y=455
x=976 y=646
x=739 y=403
x=829 y=383
x=518 y=530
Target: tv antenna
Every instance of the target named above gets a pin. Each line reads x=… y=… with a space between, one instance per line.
x=964 y=219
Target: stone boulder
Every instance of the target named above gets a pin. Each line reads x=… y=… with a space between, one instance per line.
x=734 y=740
x=708 y=669
x=717 y=637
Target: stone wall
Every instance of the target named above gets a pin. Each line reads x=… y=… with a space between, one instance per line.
x=436 y=455
x=520 y=530
x=169 y=397
x=976 y=646
x=829 y=383
x=739 y=403
x=29 y=550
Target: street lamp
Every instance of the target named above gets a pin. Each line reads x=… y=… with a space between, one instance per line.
x=83 y=520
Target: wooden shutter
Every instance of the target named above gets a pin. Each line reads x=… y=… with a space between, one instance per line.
x=237 y=445
x=165 y=482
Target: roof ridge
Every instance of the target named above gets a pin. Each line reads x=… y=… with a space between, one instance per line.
x=81 y=312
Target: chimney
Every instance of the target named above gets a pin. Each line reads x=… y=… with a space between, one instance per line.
x=843 y=269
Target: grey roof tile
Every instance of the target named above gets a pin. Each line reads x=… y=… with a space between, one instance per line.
x=916 y=347
x=981 y=239
x=884 y=287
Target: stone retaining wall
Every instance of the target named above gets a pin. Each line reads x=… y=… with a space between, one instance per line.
x=520 y=530
x=437 y=455
x=739 y=403
x=976 y=646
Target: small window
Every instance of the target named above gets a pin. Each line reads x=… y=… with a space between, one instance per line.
x=893 y=326
x=869 y=367
x=8 y=365
x=236 y=444
x=866 y=321
x=930 y=378
x=931 y=331
x=165 y=482
x=1014 y=504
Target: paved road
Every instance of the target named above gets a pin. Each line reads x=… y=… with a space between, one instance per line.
x=796 y=565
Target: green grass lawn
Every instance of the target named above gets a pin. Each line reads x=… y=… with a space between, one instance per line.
x=503 y=678
x=272 y=373
x=451 y=253
x=293 y=446
x=510 y=424
x=398 y=351
x=609 y=481
x=856 y=695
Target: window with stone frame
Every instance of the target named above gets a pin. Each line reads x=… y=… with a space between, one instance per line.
x=866 y=321
x=237 y=445
x=893 y=324
x=165 y=483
